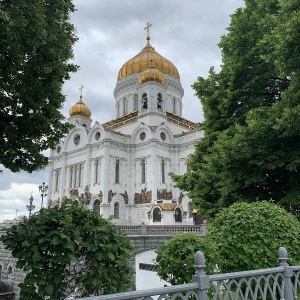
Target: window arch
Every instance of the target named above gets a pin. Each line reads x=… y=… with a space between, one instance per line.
x=144 y=101
x=156 y=215
x=178 y=215
x=143 y=163
x=117 y=210
x=159 y=101
x=96 y=206
x=97 y=167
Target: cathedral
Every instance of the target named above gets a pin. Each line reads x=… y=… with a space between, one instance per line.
x=121 y=168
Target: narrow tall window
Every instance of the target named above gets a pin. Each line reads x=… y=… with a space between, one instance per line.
x=117 y=210
x=117 y=171
x=71 y=177
x=75 y=176
x=144 y=101
x=143 y=171
x=96 y=171
x=56 y=180
x=124 y=106
x=174 y=105
x=135 y=102
x=163 y=179
x=80 y=175
x=159 y=101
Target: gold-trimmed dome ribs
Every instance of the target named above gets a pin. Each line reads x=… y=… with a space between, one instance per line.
x=141 y=61
x=151 y=74
x=80 y=109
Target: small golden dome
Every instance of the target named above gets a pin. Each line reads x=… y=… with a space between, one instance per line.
x=141 y=61
x=80 y=109
x=151 y=74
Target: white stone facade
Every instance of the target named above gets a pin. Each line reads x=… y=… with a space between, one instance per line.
x=125 y=162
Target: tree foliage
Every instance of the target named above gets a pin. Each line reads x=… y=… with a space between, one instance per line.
x=69 y=249
x=244 y=236
x=36 y=46
x=247 y=236
x=175 y=257
x=252 y=113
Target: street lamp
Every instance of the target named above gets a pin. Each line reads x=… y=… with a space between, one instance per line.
x=43 y=190
x=86 y=195
x=30 y=207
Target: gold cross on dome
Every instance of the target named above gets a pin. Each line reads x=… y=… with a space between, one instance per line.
x=147 y=28
x=81 y=88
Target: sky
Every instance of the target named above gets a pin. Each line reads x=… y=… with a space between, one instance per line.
x=112 y=32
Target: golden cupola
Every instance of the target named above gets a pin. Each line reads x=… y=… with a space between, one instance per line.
x=151 y=74
x=141 y=62
x=80 y=109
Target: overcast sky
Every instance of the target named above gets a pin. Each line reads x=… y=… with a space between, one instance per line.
x=110 y=33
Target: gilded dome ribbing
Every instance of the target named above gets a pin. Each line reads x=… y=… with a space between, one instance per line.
x=141 y=61
x=80 y=109
x=151 y=74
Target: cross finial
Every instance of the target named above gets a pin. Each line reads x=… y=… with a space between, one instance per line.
x=147 y=28
x=81 y=88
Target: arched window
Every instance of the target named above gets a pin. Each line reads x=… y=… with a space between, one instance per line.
x=156 y=215
x=96 y=206
x=79 y=174
x=71 y=177
x=163 y=179
x=117 y=171
x=124 y=106
x=144 y=101
x=135 y=102
x=178 y=215
x=159 y=101
x=143 y=170
x=96 y=171
x=174 y=106
x=117 y=210
x=9 y=271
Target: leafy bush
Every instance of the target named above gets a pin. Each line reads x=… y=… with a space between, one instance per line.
x=69 y=248
x=248 y=235
x=175 y=257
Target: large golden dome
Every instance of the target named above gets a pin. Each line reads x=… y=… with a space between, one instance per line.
x=151 y=74
x=80 y=109
x=141 y=62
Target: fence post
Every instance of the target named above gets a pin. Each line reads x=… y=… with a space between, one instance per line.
x=288 y=273
x=200 y=277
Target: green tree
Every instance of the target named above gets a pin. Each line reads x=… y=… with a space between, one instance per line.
x=69 y=248
x=36 y=47
x=252 y=114
x=175 y=257
x=247 y=236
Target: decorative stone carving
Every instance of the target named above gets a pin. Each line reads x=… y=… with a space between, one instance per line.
x=164 y=195
x=125 y=196
x=73 y=192
x=110 y=195
x=50 y=203
x=143 y=197
x=180 y=197
x=100 y=196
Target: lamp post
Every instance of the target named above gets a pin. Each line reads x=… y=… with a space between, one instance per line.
x=30 y=207
x=86 y=196
x=43 y=190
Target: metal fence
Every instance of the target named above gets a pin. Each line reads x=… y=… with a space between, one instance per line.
x=281 y=282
